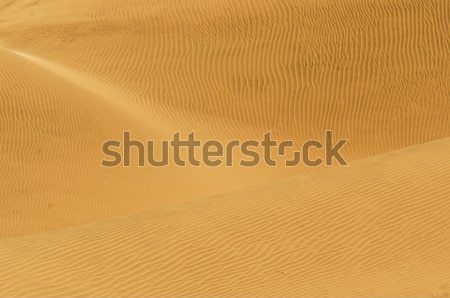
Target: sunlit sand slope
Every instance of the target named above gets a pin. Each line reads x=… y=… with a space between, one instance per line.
x=379 y=228
x=53 y=123
x=77 y=73
x=374 y=71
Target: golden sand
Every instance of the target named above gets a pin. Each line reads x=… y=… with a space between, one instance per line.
x=74 y=74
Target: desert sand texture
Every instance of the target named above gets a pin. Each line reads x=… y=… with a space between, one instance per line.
x=75 y=73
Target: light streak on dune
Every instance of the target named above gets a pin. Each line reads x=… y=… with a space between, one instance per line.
x=112 y=97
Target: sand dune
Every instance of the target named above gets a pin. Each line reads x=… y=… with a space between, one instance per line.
x=378 y=228
x=372 y=70
x=52 y=134
x=74 y=74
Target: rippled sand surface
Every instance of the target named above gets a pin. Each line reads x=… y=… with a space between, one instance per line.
x=74 y=74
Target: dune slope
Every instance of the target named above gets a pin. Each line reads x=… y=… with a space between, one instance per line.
x=377 y=228
x=77 y=73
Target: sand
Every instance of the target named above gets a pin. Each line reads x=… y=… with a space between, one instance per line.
x=74 y=74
